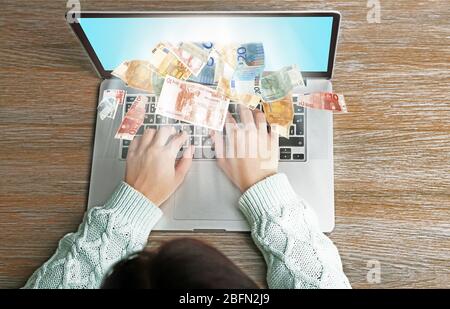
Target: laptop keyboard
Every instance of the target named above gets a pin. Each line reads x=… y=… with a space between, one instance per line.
x=291 y=149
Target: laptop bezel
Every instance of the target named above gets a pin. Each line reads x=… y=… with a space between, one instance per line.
x=78 y=30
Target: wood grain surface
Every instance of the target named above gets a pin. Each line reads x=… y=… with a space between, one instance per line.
x=392 y=151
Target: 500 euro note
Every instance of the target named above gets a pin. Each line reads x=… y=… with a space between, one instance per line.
x=192 y=103
x=132 y=120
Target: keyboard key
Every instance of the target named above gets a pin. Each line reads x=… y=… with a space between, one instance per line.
x=206 y=141
x=191 y=140
x=208 y=153
x=299 y=129
x=153 y=99
x=147 y=119
x=158 y=119
x=232 y=108
x=298 y=109
x=131 y=99
x=151 y=127
x=126 y=142
x=189 y=130
x=127 y=107
x=152 y=108
x=198 y=153
x=285 y=150
x=285 y=156
x=147 y=108
x=291 y=142
x=124 y=152
x=298 y=119
x=294 y=99
x=299 y=156
x=196 y=141
x=171 y=121
x=292 y=130
x=140 y=131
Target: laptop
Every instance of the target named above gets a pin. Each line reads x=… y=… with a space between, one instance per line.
x=207 y=200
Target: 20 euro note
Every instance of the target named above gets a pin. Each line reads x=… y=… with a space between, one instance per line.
x=166 y=63
x=323 y=100
x=139 y=74
x=276 y=85
x=279 y=115
x=133 y=119
x=192 y=103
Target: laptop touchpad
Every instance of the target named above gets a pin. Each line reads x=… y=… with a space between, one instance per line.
x=207 y=194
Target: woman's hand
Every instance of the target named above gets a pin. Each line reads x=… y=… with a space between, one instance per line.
x=151 y=164
x=248 y=153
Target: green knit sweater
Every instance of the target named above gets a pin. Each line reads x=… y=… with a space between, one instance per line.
x=297 y=253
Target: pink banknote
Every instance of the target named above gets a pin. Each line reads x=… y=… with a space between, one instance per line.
x=132 y=120
x=193 y=103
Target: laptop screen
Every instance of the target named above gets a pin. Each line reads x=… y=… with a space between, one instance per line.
x=302 y=40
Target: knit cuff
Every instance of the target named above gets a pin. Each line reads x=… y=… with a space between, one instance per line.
x=269 y=195
x=134 y=209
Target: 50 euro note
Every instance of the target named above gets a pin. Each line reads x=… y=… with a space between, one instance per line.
x=280 y=114
x=193 y=103
x=246 y=98
x=276 y=85
x=165 y=62
x=323 y=100
x=133 y=119
x=139 y=74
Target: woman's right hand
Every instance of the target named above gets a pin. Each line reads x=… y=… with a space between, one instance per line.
x=247 y=153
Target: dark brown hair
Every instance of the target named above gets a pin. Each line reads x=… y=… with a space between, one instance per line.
x=181 y=263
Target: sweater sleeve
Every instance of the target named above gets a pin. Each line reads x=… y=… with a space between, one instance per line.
x=285 y=229
x=106 y=235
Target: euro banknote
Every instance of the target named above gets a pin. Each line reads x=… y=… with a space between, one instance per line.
x=279 y=115
x=193 y=55
x=139 y=74
x=133 y=119
x=166 y=63
x=276 y=85
x=323 y=100
x=192 y=103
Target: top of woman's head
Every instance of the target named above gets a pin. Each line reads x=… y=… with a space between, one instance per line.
x=181 y=263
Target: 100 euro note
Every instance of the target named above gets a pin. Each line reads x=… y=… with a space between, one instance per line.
x=139 y=74
x=276 y=85
x=166 y=63
x=323 y=100
x=192 y=103
x=279 y=115
x=132 y=120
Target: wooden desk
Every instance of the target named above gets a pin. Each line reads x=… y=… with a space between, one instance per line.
x=392 y=160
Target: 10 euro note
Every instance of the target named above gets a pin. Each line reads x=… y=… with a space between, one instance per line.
x=323 y=100
x=139 y=74
x=193 y=55
x=276 y=85
x=192 y=103
x=133 y=119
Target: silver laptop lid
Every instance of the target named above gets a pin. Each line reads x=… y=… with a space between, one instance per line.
x=305 y=38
